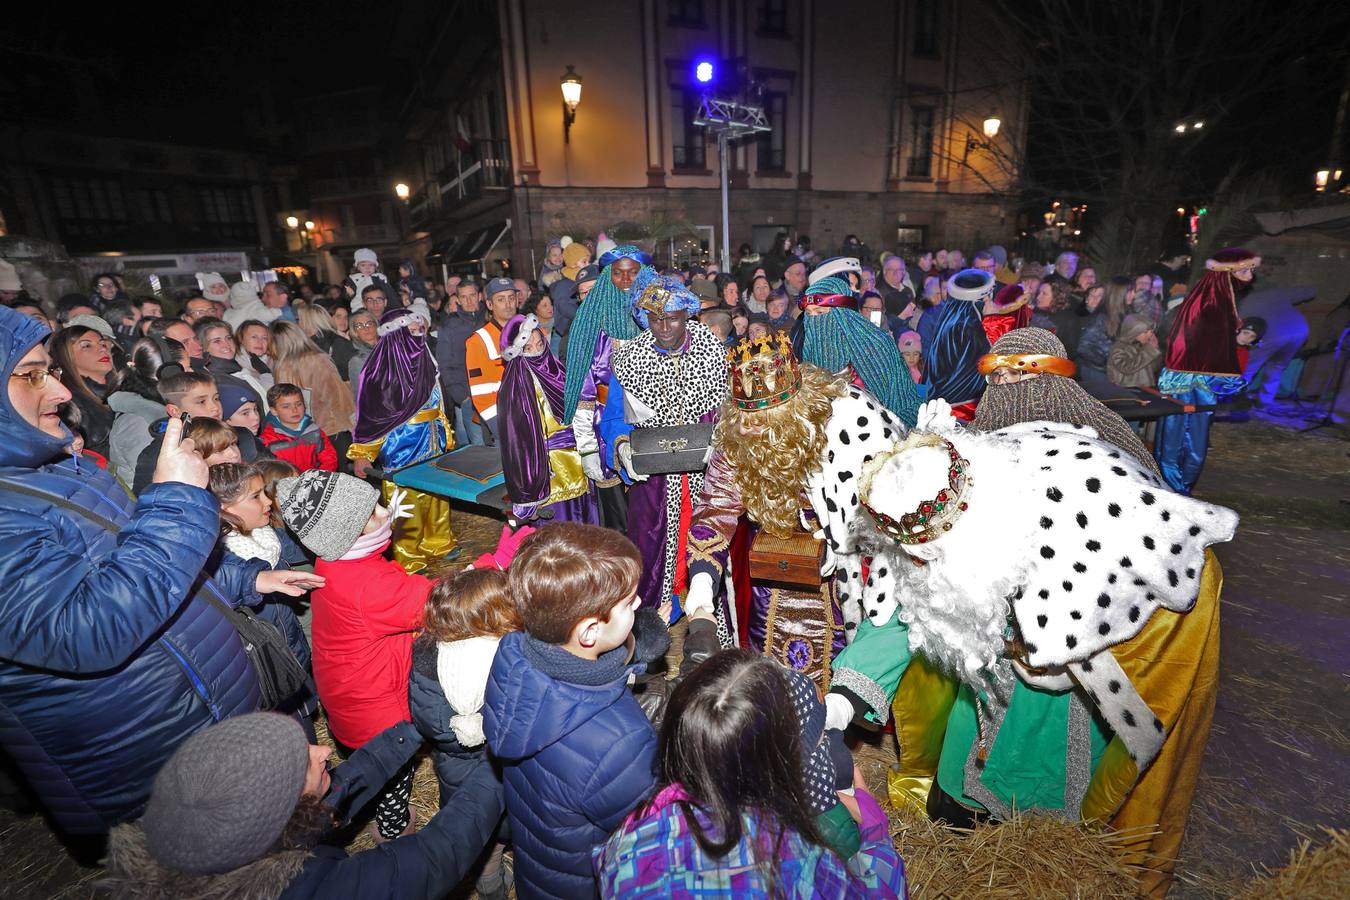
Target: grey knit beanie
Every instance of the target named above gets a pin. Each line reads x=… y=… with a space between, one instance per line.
x=326 y=510
x=225 y=795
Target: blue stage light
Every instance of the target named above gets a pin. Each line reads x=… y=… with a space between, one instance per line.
x=704 y=72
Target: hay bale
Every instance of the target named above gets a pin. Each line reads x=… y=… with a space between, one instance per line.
x=1324 y=872
x=1026 y=856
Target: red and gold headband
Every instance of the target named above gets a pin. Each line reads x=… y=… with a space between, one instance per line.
x=1037 y=363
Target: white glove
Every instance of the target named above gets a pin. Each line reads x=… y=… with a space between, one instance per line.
x=625 y=455
x=583 y=431
x=936 y=415
x=590 y=464
x=700 y=595
x=397 y=508
x=838 y=711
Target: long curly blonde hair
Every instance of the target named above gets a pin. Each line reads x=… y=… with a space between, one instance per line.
x=784 y=447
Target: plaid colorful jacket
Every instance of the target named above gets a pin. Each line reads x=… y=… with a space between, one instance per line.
x=655 y=854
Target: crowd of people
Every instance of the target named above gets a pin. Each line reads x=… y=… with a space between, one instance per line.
x=777 y=463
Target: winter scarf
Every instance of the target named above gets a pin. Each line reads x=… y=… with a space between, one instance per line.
x=462 y=668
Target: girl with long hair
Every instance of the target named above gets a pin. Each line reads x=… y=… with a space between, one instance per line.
x=731 y=816
x=318 y=325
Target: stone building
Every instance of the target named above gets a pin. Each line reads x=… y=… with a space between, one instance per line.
x=877 y=110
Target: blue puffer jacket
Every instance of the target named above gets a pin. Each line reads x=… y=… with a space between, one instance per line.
x=576 y=759
x=431 y=713
x=104 y=666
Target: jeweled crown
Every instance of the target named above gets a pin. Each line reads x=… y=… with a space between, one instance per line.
x=932 y=518
x=764 y=372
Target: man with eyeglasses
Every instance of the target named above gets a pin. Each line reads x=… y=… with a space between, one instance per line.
x=365 y=334
x=107 y=660
x=196 y=308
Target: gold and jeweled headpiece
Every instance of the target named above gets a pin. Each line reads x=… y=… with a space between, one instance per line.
x=931 y=518
x=764 y=373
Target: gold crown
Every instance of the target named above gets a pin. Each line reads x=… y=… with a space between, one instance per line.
x=764 y=372
x=932 y=518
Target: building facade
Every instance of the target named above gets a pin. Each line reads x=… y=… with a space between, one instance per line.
x=877 y=111
x=119 y=203
x=343 y=186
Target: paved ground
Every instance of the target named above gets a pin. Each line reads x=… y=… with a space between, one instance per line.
x=1277 y=766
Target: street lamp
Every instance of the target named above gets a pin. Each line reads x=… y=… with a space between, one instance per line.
x=402 y=191
x=990 y=127
x=292 y=222
x=309 y=225
x=571 y=92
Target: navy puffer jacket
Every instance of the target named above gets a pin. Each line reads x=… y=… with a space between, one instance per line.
x=576 y=759
x=106 y=666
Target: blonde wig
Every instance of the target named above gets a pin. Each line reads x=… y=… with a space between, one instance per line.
x=784 y=448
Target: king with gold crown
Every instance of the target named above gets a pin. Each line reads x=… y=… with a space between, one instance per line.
x=788 y=448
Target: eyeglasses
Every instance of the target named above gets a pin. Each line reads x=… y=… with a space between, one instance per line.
x=363 y=326
x=37 y=378
x=1007 y=376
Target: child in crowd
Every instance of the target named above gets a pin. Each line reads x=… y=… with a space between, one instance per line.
x=911 y=348
x=248 y=539
x=272 y=470
x=1249 y=335
x=239 y=410
x=1135 y=358
x=575 y=748
x=364 y=618
x=733 y=816
x=465 y=618
x=194 y=393
x=215 y=441
x=292 y=435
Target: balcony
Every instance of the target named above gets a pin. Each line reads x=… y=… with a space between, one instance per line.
x=357 y=186
x=360 y=235
x=486 y=166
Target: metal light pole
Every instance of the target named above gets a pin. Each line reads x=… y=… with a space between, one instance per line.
x=729 y=120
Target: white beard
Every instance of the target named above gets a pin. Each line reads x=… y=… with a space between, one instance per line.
x=957 y=606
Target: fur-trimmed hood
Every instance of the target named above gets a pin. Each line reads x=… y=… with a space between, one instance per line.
x=134 y=873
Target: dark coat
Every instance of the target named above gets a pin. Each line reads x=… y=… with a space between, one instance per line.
x=428 y=864
x=457 y=328
x=576 y=760
x=431 y=714
x=106 y=662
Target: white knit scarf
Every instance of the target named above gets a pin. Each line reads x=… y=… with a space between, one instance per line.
x=260 y=543
x=462 y=668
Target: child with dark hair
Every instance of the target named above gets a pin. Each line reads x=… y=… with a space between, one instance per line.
x=733 y=816
x=575 y=748
x=194 y=393
x=290 y=433
x=249 y=543
x=465 y=618
x=213 y=440
x=272 y=470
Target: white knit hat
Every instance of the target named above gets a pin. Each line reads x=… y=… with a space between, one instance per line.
x=365 y=254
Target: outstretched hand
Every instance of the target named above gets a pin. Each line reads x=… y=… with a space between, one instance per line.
x=285 y=581
x=178 y=459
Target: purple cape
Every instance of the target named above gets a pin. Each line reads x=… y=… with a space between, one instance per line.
x=524 y=450
x=395 y=382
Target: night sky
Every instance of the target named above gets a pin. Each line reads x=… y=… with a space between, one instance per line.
x=228 y=75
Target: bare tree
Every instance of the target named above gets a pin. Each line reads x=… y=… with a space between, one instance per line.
x=1132 y=98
